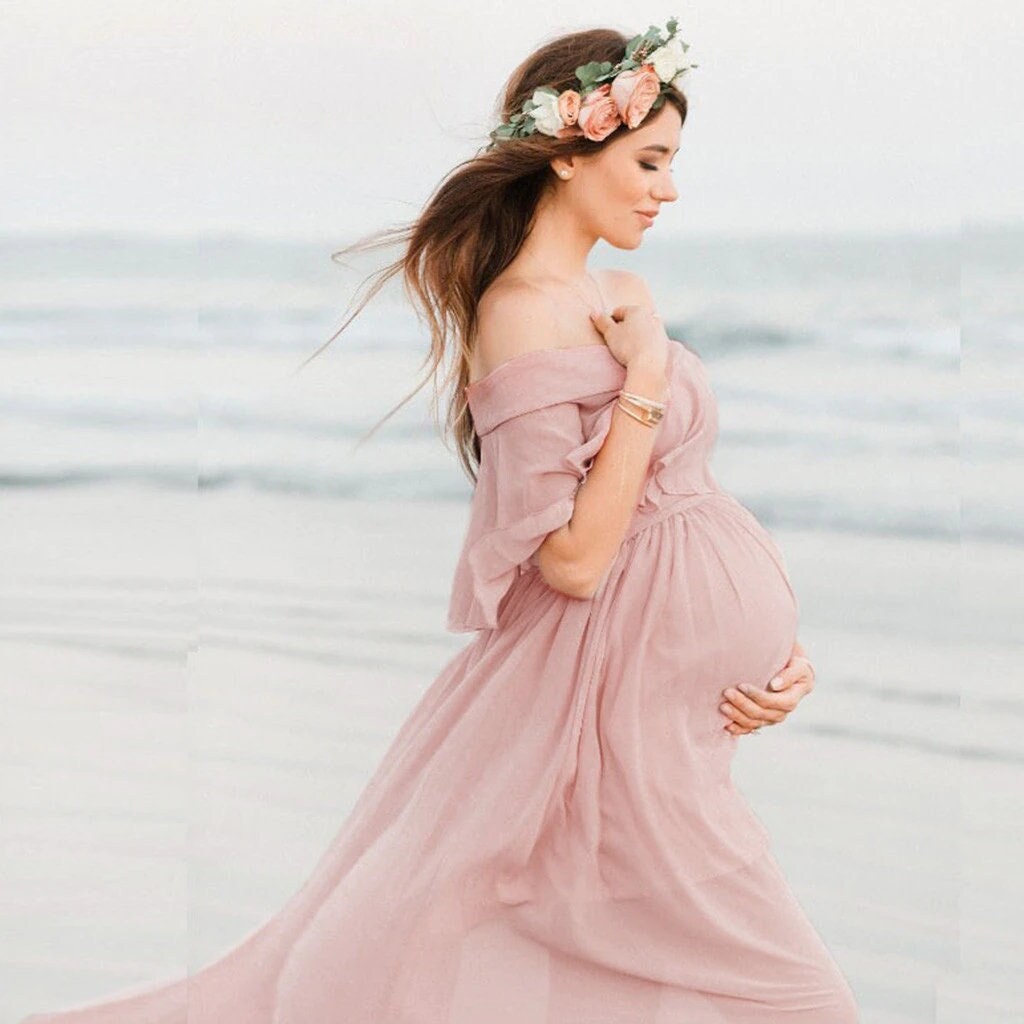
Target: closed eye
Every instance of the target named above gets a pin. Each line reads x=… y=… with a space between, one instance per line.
x=651 y=167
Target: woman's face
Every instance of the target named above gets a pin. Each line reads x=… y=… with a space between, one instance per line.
x=630 y=175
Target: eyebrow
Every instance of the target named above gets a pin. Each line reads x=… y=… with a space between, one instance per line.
x=657 y=148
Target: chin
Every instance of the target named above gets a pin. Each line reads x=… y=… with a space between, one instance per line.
x=625 y=241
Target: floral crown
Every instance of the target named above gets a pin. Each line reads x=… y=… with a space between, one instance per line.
x=608 y=95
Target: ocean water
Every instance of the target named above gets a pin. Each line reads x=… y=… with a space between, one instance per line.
x=173 y=363
x=233 y=676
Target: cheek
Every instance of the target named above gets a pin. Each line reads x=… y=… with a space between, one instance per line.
x=625 y=194
x=633 y=189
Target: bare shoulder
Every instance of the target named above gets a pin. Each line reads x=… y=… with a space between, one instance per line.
x=513 y=317
x=624 y=288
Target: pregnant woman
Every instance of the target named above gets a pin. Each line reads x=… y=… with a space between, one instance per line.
x=553 y=837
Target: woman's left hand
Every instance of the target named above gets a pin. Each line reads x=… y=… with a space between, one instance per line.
x=750 y=708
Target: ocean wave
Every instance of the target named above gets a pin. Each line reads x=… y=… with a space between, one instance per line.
x=826 y=514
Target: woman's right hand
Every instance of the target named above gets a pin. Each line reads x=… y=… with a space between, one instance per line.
x=634 y=334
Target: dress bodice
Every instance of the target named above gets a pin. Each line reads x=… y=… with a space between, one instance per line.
x=591 y=377
x=541 y=418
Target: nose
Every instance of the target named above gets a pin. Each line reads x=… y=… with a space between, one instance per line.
x=665 y=192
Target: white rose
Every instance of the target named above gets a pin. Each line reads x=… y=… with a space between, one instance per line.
x=669 y=60
x=545 y=114
x=677 y=82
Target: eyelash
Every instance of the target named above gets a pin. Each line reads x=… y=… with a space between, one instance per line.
x=651 y=167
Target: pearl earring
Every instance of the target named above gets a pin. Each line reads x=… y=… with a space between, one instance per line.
x=564 y=174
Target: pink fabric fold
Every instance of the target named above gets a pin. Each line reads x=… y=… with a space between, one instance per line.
x=536 y=450
x=553 y=836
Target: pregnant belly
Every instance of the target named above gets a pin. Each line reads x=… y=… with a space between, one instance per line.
x=718 y=610
x=750 y=603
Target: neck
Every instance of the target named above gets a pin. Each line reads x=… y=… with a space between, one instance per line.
x=557 y=244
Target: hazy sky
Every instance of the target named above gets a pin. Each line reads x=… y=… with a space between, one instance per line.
x=329 y=119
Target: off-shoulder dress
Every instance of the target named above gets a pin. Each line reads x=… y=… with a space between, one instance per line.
x=553 y=836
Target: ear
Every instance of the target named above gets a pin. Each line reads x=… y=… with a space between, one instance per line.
x=563 y=167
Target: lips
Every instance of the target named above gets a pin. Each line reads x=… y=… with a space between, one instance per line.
x=648 y=217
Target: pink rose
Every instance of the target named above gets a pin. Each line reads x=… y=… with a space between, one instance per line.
x=569 y=106
x=570 y=131
x=598 y=116
x=634 y=91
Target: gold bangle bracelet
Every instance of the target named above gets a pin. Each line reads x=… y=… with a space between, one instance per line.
x=649 y=415
x=636 y=416
x=647 y=403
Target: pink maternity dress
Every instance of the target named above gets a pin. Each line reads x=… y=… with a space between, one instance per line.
x=553 y=836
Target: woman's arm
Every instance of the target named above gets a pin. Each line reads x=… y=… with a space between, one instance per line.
x=517 y=318
x=575 y=557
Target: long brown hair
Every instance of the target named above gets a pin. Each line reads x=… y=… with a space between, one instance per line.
x=475 y=222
